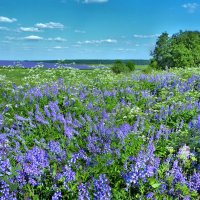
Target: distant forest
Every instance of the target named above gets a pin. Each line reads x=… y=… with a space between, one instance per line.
x=95 y=62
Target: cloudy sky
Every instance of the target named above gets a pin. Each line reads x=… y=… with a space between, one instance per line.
x=90 y=29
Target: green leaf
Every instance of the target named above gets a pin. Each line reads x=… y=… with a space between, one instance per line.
x=155 y=185
x=13 y=187
x=54 y=169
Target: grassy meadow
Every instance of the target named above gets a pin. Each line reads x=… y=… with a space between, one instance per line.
x=92 y=134
x=20 y=75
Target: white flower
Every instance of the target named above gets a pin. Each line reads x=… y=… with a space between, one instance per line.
x=184 y=152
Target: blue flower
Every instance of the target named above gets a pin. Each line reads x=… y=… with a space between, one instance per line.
x=83 y=193
x=57 y=195
x=102 y=190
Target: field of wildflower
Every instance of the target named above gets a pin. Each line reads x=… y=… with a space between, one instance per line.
x=91 y=134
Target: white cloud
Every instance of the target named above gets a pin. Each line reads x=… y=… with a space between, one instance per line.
x=146 y=36
x=29 y=29
x=2 y=28
x=33 y=38
x=57 y=39
x=124 y=49
x=30 y=38
x=59 y=47
x=79 y=31
x=191 y=7
x=36 y=38
x=50 y=25
x=109 y=41
x=94 y=1
x=7 y=20
x=98 y=41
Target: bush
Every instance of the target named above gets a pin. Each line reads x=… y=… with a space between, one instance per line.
x=119 y=67
x=131 y=66
x=153 y=64
x=148 y=70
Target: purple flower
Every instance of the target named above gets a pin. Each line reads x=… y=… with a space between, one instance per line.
x=56 y=151
x=83 y=193
x=57 y=195
x=37 y=92
x=54 y=90
x=35 y=162
x=141 y=167
x=176 y=171
x=68 y=119
x=4 y=144
x=40 y=118
x=186 y=198
x=91 y=144
x=90 y=106
x=195 y=182
x=105 y=115
x=5 y=166
x=5 y=193
x=150 y=195
x=46 y=111
x=82 y=119
x=77 y=124
x=53 y=106
x=68 y=131
x=1 y=121
x=19 y=118
x=198 y=122
x=67 y=175
x=102 y=190
x=80 y=155
x=82 y=95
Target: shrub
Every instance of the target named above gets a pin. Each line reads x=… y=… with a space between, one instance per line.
x=148 y=70
x=119 y=67
x=153 y=64
x=131 y=66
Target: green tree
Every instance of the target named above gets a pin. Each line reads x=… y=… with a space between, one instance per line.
x=153 y=64
x=130 y=65
x=180 y=50
x=182 y=56
x=161 y=52
x=119 y=67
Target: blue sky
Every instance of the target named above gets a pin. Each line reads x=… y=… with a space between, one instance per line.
x=90 y=29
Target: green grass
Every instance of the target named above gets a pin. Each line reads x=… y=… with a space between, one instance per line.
x=141 y=67
x=31 y=76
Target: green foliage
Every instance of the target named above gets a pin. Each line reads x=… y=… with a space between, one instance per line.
x=182 y=56
x=148 y=70
x=180 y=50
x=131 y=66
x=153 y=64
x=160 y=53
x=119 y=67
